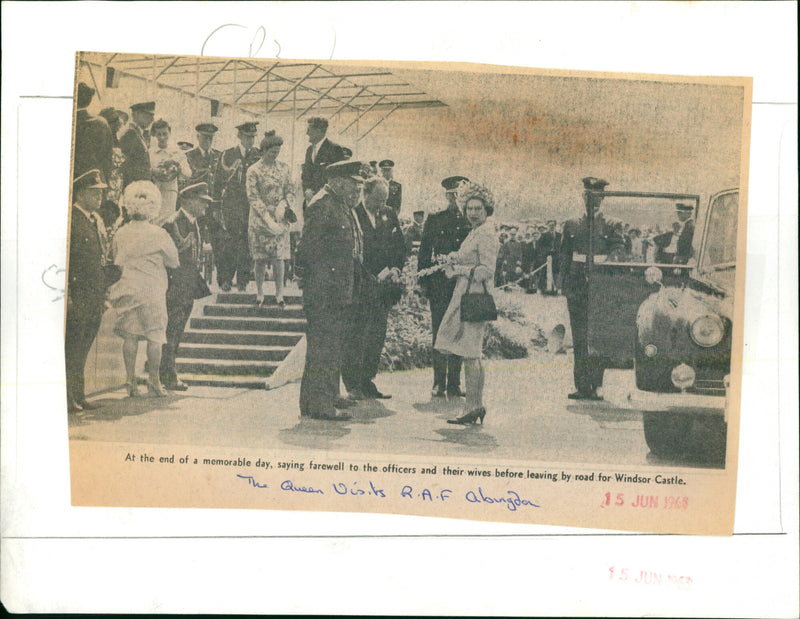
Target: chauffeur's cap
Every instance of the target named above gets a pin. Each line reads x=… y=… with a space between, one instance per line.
x=386 y=163
x=452 y=182
x=684 y=208
x=146 y=106
x=590 y=183
x=345 y=169
x=89 y=180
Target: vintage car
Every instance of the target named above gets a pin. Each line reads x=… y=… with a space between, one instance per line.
x=665 y=315
x=683 y=344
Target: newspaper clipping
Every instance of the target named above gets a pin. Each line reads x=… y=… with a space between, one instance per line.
x=451 y=290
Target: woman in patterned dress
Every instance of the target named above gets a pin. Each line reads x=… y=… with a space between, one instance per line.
x=270 y=193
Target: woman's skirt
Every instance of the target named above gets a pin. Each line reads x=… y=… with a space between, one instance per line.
x=266 y=246
x=142 y=320
x=455 y=337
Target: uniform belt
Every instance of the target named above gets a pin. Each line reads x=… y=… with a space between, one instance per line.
x=582 y=258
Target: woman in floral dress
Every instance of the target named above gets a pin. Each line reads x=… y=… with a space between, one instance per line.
x=270 y=194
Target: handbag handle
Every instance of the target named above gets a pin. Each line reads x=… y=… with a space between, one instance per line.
x=472 y=272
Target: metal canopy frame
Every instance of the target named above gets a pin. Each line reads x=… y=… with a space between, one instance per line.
x=259 y=88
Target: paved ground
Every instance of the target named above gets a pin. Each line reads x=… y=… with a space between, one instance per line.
x=529 y=419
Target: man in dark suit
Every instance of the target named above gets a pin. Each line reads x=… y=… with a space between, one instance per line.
x=135 y=142
x=233 y=251
x=329 y=261
x=574 y=257
x=93 y=141
x=185 y=283
x=86 y=288
x=685 y=234
x=442 y=234
x=395 y=198
x=320 y=153
x=384 y=256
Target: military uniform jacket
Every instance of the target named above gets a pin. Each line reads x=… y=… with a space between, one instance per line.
x=86 y=287
x=442 y=234
x=185 y=283
x=232 y=176
x=395 y=198
x=575 y=249
x=203 y=167
x=325 y=254
x=136 y=166
x=93 y=145
x=313 y=172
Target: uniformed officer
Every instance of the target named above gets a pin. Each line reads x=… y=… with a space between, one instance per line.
x=442 y=234
x=135 y=142
x=86 y=289
x=579 y=250
x=395 y=198
x=685 y=234
x=203 y=159
x=233 y=255
x=329 y=262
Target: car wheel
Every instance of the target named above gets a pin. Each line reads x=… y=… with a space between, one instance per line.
x=667 y=434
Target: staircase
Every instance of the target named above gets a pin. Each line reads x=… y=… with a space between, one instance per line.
x=230 y=342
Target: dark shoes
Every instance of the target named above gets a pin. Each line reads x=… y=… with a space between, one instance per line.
x=584 y=395
x=334 y=416
x=471 y=418
x=88 y=406
x=343 y=403
x=226 y=287
x=355 y=395
x=371 y=391
x=175 y=385
x=455 y=393
x=438 y=392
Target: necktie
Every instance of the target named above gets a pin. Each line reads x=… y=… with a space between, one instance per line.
x=358 y=248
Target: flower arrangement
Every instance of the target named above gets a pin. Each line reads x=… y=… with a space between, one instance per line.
x=167 y=171
x=468 y=190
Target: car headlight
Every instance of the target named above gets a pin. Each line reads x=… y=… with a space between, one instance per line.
x=707 y=330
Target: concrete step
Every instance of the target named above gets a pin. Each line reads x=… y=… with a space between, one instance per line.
x=237 y=337
x=245 y=298
x=248 y=324
x=212 y=380
x=226 y=367
x=241 y=352
x=241 y=310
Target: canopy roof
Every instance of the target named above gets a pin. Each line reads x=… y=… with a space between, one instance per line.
x=262 y=87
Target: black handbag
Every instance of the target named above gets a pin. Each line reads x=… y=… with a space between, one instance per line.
x=477 y=306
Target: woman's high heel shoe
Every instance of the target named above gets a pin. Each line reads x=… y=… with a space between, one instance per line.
x=133 y=389
x=155 y=389
x=471 y=417
x=281 y=302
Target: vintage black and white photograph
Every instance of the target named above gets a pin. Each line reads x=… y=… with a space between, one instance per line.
x=285 y=269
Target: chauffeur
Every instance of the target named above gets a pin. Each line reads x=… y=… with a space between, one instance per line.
x=329 y=262
x=573 y=258
x=442 y=234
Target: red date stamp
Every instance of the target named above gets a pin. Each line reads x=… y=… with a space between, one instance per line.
x=647 y=577
x=646 y=501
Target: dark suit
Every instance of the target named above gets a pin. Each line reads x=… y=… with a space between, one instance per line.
x=313 y=169
x=587 y=371
x=395 y=198
x=685 y=250
x=185 y=285
x=329 y=271
x=443 y=233
x=93 y=145
x=383 y=248
x=233 y=252
x=136 y=166
x=86 y=293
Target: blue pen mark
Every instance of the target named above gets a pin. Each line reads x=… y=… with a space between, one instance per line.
x=288 y=485
x=513 y=501
x=252 y=481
